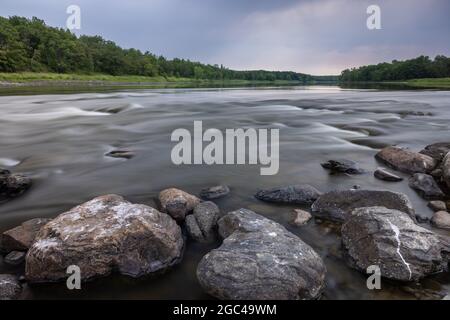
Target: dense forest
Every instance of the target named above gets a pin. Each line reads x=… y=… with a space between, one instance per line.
x=31 y=45
x=418 y=68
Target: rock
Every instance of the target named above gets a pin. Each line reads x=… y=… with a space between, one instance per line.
x=437 y=150
x=300 y=217
x=343 y=166
x=437 y=173
x=104 y=235
x=258 y=260
x=214 y=192
x=15 y=258
x=124 y=154
x=20 y=238
x=441 y=219
x=437 y=205
x=12 y=185
x=426 y=186
x=446 y=170
x=385 y=175
x=298 y=194
x=405 y=160
x=338 y=205
x=391 y=240
x=10 y=288
x=201 y=224
x=422 y=219
x=177 y=203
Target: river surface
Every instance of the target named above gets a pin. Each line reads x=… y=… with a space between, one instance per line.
x=60 y=140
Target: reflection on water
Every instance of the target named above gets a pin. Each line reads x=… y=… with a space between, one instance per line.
x=60 y=141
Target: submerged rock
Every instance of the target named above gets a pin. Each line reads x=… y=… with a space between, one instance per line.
x=441 y=219
x=391 y=240
x=10 y=288
x=405 y=160
x=437 y=150
x=12 y=185
x=177 y=203
x=343 y=166
x=338 y=205
x=15 y=258
x=297 y=194
x=20 y=238
x=104 y=235
x=124 y=154
x=201 y=224
x=385 y=175
x=300 y=217
x=426 y=186
x=215 y=192
x=259 y=259
x=437 y=205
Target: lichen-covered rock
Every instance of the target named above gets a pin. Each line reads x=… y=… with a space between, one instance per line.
x=297 y=194
x=300 y=217
x=177 y=203
x=215 y=192
x=10 y=288
x=385 y=175
x=426 y=186
x=406 y=161
x=446 y=170
x=338 y=205
x=437 y=150
x=441 y=219
x=391 y=240
x=202 y=223
x=259 y=259
x=20 y=238
x=343 y=166
x=104 y=235
x=12 y=185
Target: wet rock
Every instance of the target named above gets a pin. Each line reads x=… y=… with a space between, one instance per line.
x=441 y=219
x=300 y=217
x=343 y=166
x=124 y=154
x=385 y=175
x=15 y=258
x=10 y=288
x=20 y=238
x=259 y=259
x=338 y=205
x=437 y=150
x=426 y=186
x=12 y=185
x=202 y=223
x=177 y=203
x=436 y=173
x=437 y=205
x=446 y=170
x=104 y=235
x=405 y=160
x=297 y=194
x=391 y=240
x=214 y=192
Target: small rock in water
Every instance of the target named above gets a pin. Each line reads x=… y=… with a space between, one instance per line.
x=177 y=203
x=20 y=238
x=422 y=219
x=10 y=288
x=437 y=150
x=437 y=205
x=124 y=154
x=343 y=166
x=385 y=175
x=298 y=194
x=201 y=224
x=215 y=192
x=300 y=217
x=426 y=186
x=12 y=185
x=405 y=160
x=441 y=219
x=15 y=258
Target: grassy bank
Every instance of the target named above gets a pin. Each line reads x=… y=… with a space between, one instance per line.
x=430 y=83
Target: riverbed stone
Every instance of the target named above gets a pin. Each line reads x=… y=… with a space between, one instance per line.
x=426 y=186
x=406 y=160
x=104 y=235
x=177 y=203
x=300 y=217
x=259 y=259
x=437 y=150
x=338 y=205
x=215 y=192
x=10 y=288
x=390 y=239
x=437 y=205
x=21 y=237
x=202 y=223
x=15 y=258
x=446 y=170
x=12 y=185
x=343 y=166
x=441 y=219
x=296 y=194
x=385 y=175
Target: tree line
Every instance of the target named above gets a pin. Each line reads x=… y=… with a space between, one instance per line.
x=421 y=67
x=31 y=45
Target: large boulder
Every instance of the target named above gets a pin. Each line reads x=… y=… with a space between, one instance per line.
x=12 y=185
x=177 y=203
x=10 y=288
x=202 y=223
x=405 y=160
x=437 y=150
x=446 y=170
x=20 y=238
x=259 y=259
x=103 y=235
x=337 y=206
x=426 y=186
x=297 y=194
x=392 y=241
x=343 y=166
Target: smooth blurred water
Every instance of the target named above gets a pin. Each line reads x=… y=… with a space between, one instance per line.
x=60 y=141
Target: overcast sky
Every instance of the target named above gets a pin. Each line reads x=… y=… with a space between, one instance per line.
x=310 y=36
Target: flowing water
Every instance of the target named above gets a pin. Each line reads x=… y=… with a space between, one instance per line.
x=60 y=140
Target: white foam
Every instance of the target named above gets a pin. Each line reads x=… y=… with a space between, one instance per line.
x=6 y=162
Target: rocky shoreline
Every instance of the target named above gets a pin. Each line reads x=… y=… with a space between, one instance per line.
x=257 y=258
